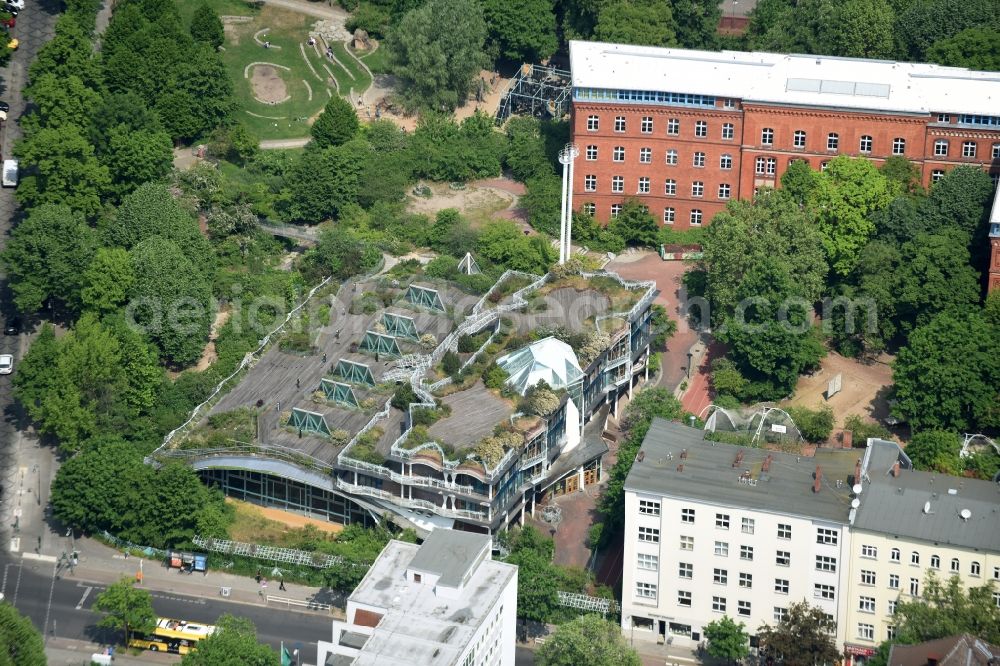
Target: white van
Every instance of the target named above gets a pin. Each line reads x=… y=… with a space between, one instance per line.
x=9 y=178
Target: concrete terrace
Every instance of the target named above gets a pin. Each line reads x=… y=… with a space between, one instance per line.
x=475 y=412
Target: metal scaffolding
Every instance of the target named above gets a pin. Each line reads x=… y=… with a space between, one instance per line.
x=468 y=265
x=307 y=421
x=400 y=326
x=355 y=373
x=587 y=603
x=342 y=394
x=424 y=297
x=537 y=91
x=380 y=344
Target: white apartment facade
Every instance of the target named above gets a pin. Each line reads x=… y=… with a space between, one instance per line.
x=714 y=530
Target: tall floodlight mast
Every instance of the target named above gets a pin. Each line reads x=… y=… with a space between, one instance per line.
x=568 y=153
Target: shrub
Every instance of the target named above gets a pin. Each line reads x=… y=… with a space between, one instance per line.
x=863 y=430
x=403 y=396
x=540 y=400
x=494 y=376
x=814 y=424
x=451 y=363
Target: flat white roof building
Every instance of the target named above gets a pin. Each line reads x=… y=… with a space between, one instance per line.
x=443 y=602
x=786 y=79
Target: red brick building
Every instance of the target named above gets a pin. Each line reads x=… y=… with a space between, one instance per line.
x=686 y=131
x=993 y=279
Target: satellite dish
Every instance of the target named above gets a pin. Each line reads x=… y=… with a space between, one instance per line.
x=855 y=503
x=857 y=488
x=965 y=514
x=927 y=507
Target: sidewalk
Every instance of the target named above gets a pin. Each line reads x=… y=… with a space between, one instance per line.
x=68 y=651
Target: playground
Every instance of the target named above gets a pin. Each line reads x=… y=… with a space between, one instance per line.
x=863 y=388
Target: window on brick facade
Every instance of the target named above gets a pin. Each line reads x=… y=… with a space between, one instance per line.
x=617 y=183
x=590 y=183
x=619 y=123
x=767 y=136
x=646 y=126
x=941 y=148
x=766 y=166
x=670 y=187
x=995 y=153
x=697 y=188
x=671 y=156
x=968 y=149
x=799 y=139
x=728 y=130
x=823 y=166
x=591 y=153
x=832 y=141
x=724 y=190
x=865 y=144
x=674 y=126
x=593 y=123
x=616 y=210
x=643 y=185
x=898 y=146
x=618 y=154
x=728 y=103
x=699 y=159
x=645 y=155
x=944 y=118
x=726 y=162
x=669 y=214
x=700 y=128
x=589 y=208
x=696 y=218
x=936 y=175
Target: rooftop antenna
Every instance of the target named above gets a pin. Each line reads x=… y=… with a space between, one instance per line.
x=927 y=507
x=568 y=153
x=965 y=514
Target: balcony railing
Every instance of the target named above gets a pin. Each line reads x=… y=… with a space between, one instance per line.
x=436 y=509
x=410 y=480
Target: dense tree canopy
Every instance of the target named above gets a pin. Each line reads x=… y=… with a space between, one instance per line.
x=125 y=607
x=589 y=639
x=646 y=22
x=206 y=26
x=804 y=637
x=521 y=30
x=20 y=643
x=946 y=608
x=975 y=48
x=727 y=639
x=336 y=125
x=234 y=643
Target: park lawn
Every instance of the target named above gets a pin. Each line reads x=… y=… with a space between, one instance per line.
x=356 y=77
x=221 y=7
x=287 y=30
x=377 y=60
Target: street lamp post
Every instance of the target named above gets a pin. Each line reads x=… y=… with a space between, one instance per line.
x=690 y=355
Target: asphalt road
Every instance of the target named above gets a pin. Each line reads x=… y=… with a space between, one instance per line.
x=63 y=607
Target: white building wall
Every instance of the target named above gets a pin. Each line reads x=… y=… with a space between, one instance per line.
x=706 y=555
x=494 y=641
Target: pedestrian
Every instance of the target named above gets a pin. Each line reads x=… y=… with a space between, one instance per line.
x=281 y=585
x=298 y=383
x=126 y=553
x=324 y=355
x=267 y=45
x=257 y=577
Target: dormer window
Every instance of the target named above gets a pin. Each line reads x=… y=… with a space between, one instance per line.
x=416 y=578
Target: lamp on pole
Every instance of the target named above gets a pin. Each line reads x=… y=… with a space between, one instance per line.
x=568 y=153
x=689 y=364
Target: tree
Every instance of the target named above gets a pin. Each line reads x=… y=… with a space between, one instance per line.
x=727 y=640
x=845 y=197
x=61 y=169
x=697 y=22
x=945 y=609
x=925 y=22
x=437 y=52
x=341 y=254
x=935 y=451
x=961 y=200
x=134 y=157
x=860 y=29
x=798 y=181
x=198 y=97
x=20 y=642
x=337 y=125
x=503 y=243
x=525 y=156
x=814 y=424
x=234 y=643
x=522 y=30
x=589 y=639
x=207 y=27
x=46 y=257
x=126 y=608
x=947 y=376
x=976 y=48
x=69 y=53
x=635 y=225
x=804 y=637
x=323 y=182
x=902 y=174
x=60 y=101
x=644 y=22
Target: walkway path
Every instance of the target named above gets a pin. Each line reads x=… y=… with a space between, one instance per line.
x=284 y=144
x=316 y=9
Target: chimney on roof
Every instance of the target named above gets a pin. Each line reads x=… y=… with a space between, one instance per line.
x=847 y=439
x=817 y=479
x=895 y=469
x=684 y=454
x=680 y=468
x=857 y=472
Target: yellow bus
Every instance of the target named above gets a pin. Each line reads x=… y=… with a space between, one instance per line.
x=175 y=636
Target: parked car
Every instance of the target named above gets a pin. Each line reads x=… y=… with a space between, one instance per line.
x=9 y=178
x=12 y=326
x=6 y=364
x=4 y=106
x=16 y=4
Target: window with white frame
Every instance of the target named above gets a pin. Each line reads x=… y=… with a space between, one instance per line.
x=865 y=144
x=747 y=526
x=720 y=576
x=645 y=590
x=746 y=580
x=722 y=549
x=671 y=157
x=956 y=566
x=890 y=632
x=935 y=562
x=617 y=183
x=728 y=103
x=780 y=614
x=894 y=555
x=867 y=577
x=866 y=604
x=696 y=217
x=743 y=608
x=760 y=166
x=974 y=569
x=799 y=139
x=697 y=188
x=700 y=128
x=824 y=563
x=784 y=531
x=783 y=558
x=870 y=552
x=781 y=585
x=649 y=507
x=643 y=185
x=683 y=598
x=669 y=215
x=890 y=608
x=996 y=599
x=699 y=159
x=645 y=155
x=832 y=141
x=915 y=558
x=944 y=118
x=996 y=573
x=618 y=154
x=593 y=123
x=619 y=123
x=674 y=126
x=893 y=581
x=687 y=515
x=915 y=587
x=746 y=553
x=649 y=534
x=646 y=125
x=995 y=152
x=968 y=149
x=936 y=175
x=728 y=130
x=725 y=190
x=941 y=148
x=649 y=562
x=718 y=604
x=726 y=162
x=590 y=183
x=589 y=208
x=670 y=187
x=767 y=136
x=687 y=543
x=685 y=570
x=772 y=166
x=591 y=153
x=821 y=591
x=722 y=521
x=866 y=632
x=898 y=146
x=616 y=210
x=826 y=536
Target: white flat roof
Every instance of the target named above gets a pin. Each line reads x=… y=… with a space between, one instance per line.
x=824 y=81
